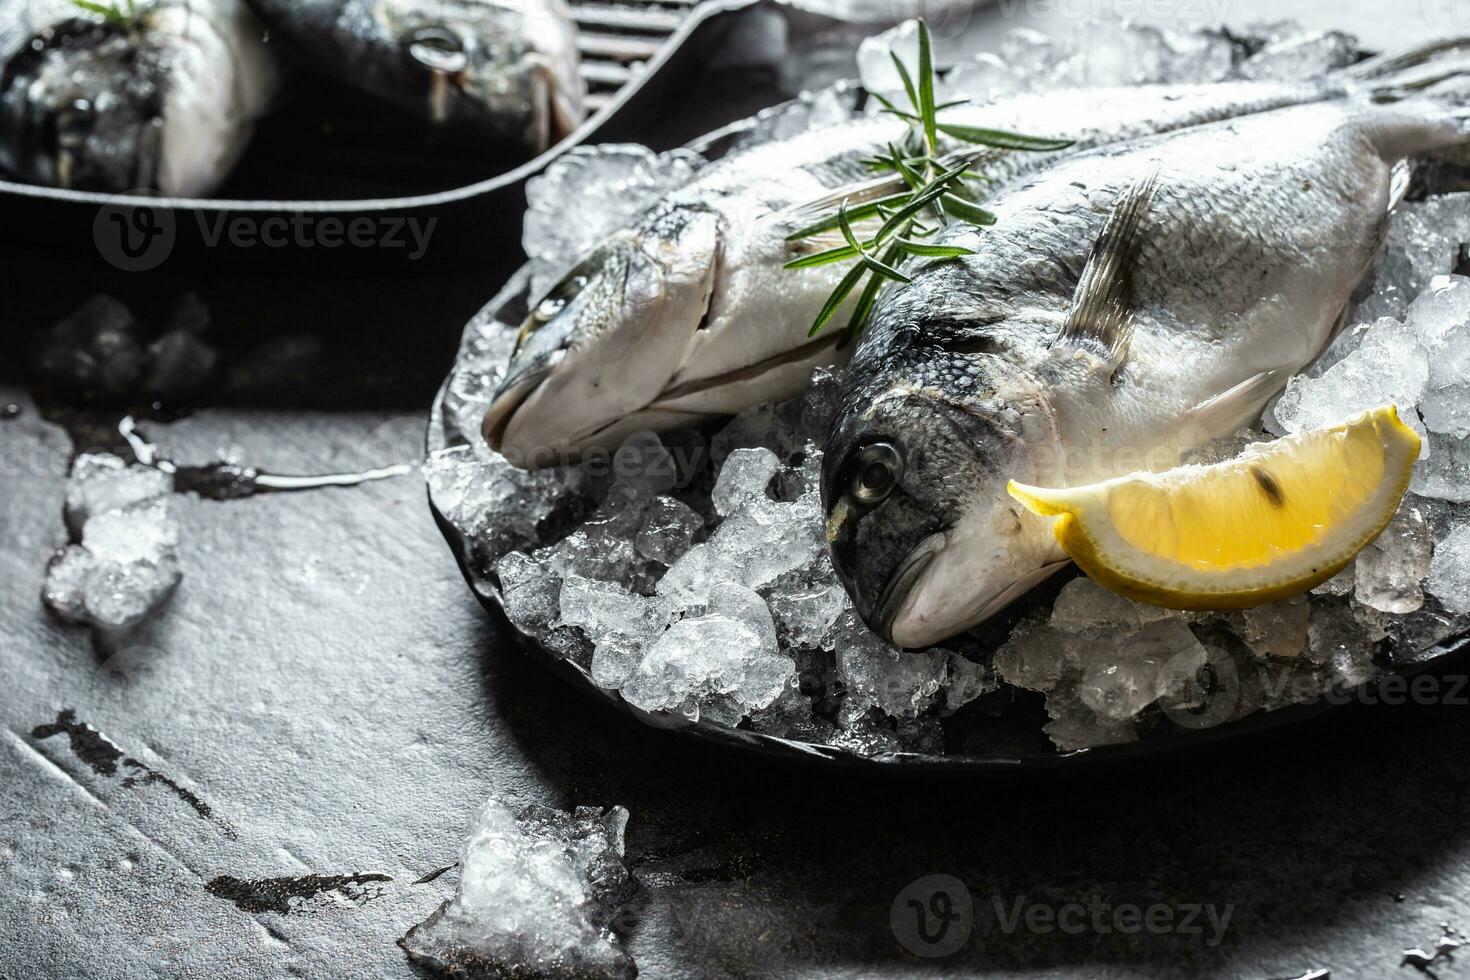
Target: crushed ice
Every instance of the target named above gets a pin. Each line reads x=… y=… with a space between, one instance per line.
x=537 y=893
x=122 y=564
x=690 y=575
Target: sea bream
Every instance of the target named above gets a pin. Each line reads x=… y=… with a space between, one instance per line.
x=688 y=313
x=1127 y=306
x=485 y=70
x=162 y=97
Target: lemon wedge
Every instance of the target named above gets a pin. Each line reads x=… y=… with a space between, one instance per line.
x=1277 y=520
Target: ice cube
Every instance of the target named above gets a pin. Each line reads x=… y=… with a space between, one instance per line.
x=806 y=601
x=1074 y=725
x=1033 y=656
x=96 y=351
x=1278 y=629
x=1449 y=570
x=901 y=683
x=65 y=589
x=1443 y=470
x=1441 y=316
x=982 y=79
x=587 y=194
x=119 y=595
x=644 y=464
x=705 y=660
x=600 y=608
x=1391 y=365
x=967 y=681
x=1390 y=569
x=143 y=532
x=530 y=591
x=537 y=893
x=1126 y=671
x=1083 y=605
x=669 y=525
x=100 y=482
x=875 y=61
x=743 y=477
x=498 y=505
x=1309 y=54
x=179 y=362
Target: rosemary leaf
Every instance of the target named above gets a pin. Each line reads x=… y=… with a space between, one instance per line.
x=839 y=294
x=962 y=209
x=1001 y=138
x=926 y=250
x=926 y=87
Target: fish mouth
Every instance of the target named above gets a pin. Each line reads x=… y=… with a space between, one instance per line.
x=509 y=399
x=910 y=631
x=901 y=583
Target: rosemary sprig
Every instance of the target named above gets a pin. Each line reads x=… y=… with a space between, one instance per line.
x=124 y=12
x=936 y=193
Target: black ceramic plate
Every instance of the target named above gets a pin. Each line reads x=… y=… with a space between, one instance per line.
x=1006 y=740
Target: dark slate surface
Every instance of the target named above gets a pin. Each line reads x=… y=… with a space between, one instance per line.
x=251 y=785
x=323 y=697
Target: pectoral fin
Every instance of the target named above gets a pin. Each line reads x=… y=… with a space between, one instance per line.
x=1101 y=318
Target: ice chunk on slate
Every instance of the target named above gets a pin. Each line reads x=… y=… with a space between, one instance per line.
x=669 y=525
x=1390 y=365
x=101 y=482
x=1423 y=241
x=1441 y=317
x=1389 y=570
x=717 y=666
x=95 y=351
x=742 y=478
x=537 y=892
x=65 y=589
x=900 y=683
x=588 y=193
x=126 y=563
x=1449 y=570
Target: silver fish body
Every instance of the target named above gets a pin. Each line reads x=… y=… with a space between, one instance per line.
x=489 y=70
x=166 y=103
x=741 y=338
x=1019 y=363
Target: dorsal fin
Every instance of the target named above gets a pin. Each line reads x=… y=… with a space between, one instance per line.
x=1101 y=318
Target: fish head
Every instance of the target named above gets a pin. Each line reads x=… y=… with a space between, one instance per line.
x=82 y=107
x=921 y=529
x=472 y=58
x=606 y=339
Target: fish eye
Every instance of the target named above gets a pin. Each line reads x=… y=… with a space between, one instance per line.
x=876 y=470
x=436 y=47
